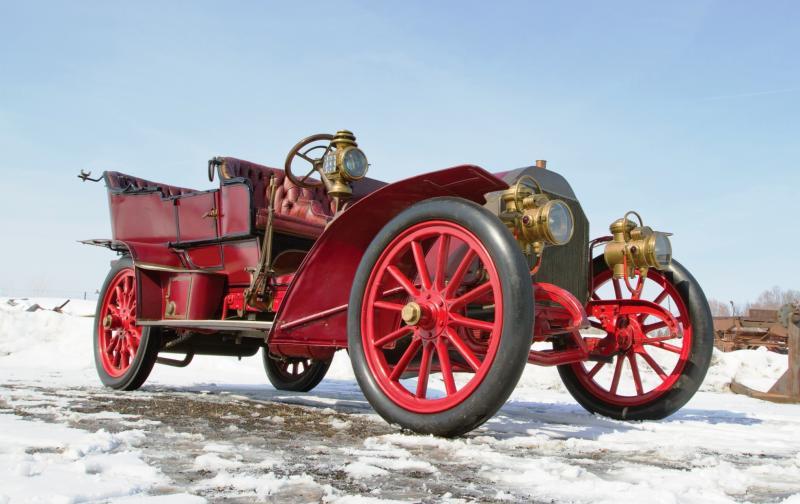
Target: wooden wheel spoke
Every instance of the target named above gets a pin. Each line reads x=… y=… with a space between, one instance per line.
x=422 y=266
x=661 y=297
x=654 y=326
x=392 y=336
x=424 y=370
x=463 y=349
x=458 y=275
x=617 y=375
x=446 y=366
x=658 y=339
x=111 y=345
x=403 y=280
x=472 y=295
x=462 y=321
x=402 y=364
x=441 y=261
x=665 y=346
x=385 y=305
x=637 y=379
x=596 y=368
x=653 y=364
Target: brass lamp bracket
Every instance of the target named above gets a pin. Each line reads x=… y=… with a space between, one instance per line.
x=526 y=211
x=636 y=248
x=338 y=186
x=340 y=164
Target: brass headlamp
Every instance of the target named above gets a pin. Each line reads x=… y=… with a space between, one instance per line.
x=534 y=218
x=636 y=247
x=345 y=163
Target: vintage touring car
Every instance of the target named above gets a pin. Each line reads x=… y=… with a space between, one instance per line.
x=441 y=287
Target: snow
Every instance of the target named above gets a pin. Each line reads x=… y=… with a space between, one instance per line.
x=70 y=465
x=721 y=447
x=300 y=488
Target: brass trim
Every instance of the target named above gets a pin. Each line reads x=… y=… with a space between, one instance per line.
x=170 y=269
x=633 y=247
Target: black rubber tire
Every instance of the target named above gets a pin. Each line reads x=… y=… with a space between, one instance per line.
x=515 y=340
x=693 y=374
x=147 y=353
x=305 y=382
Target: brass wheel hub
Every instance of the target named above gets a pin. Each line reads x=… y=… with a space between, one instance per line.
x=411 y=313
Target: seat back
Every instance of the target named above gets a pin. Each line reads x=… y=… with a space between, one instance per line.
x=290 y=199
x=123 y=183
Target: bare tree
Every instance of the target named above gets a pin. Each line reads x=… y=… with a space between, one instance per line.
x=776 y=297
x=719 y=308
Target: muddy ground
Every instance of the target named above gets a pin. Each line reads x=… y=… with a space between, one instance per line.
x=315 y=441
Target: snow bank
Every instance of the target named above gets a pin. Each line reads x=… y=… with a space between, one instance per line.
x=758 y=369
x=54 y=463
x=41 y=342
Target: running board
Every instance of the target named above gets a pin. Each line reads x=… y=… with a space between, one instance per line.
x=213 y=325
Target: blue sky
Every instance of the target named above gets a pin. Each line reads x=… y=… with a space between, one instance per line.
x=685 y=111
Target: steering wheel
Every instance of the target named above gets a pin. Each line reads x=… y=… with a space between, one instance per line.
x=303 y=150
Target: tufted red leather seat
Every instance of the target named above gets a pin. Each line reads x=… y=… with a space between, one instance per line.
x=120 y=182
x=298 y=211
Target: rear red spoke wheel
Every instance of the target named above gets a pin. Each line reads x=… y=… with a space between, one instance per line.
x=119 y=336
x=417 y=325
x=646 y=358
x=296 y=374
x=293 y=368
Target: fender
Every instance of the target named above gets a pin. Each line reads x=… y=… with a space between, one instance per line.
x=314 y=311
x=154 y=264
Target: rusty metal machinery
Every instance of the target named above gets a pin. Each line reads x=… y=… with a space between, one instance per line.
x=759 y=328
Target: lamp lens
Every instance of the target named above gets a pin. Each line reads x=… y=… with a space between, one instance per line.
x=559 y=222
x=662 y=250
x=355 y=163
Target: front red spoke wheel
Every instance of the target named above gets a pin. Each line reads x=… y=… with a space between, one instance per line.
x=432 y=316
x=119 y=336
x=640 y=359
